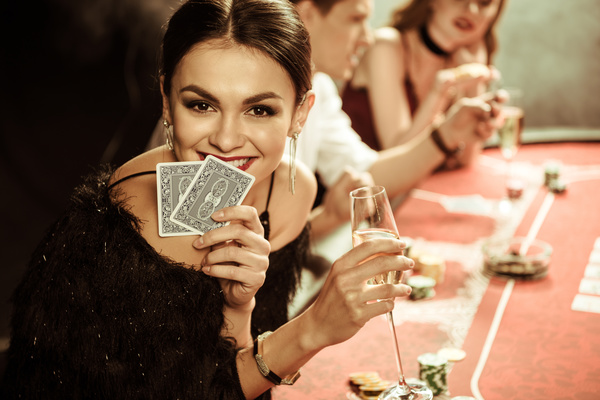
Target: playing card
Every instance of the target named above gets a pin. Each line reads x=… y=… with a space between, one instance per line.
x=216 y=185
x=172 y=181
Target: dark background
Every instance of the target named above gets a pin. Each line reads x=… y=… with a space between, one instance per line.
x=78 y=89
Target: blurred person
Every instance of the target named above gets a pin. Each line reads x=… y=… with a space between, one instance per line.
x=339 y=31
x=434 y=52
x=110 y=309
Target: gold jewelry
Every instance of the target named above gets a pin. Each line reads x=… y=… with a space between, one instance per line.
x=293 y=144
x=168 y=134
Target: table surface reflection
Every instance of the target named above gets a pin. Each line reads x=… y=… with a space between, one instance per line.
x=523 y=339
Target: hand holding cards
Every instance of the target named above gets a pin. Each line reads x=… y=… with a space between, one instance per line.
x=190 y=192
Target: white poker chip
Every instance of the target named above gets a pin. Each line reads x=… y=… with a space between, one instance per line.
x=452 y=354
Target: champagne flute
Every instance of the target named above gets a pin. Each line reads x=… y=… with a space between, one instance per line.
x=372 y=217
x=509 y=136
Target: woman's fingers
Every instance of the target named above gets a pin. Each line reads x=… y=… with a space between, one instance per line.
x=235 y=255
x=247 y=277
x=245 y=229
x=370 y=248
x=371 y=258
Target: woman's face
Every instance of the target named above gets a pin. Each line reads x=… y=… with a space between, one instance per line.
x=463 y=21
x=231 y=102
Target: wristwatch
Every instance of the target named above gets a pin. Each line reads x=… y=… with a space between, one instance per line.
x=264 y=368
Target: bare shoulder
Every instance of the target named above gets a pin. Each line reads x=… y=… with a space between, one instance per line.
x=138 y=193
x=289 y=212
x=381 y=59
x=144 y=162
x=387 y=34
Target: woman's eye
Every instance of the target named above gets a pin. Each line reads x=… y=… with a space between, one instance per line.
x=201 y=106
x=261 y=111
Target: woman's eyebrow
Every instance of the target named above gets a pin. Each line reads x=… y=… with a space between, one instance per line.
x=262 y=96
x=200 y=92
x=250 y=100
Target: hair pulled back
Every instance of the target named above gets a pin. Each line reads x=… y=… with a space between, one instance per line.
x=271 y=26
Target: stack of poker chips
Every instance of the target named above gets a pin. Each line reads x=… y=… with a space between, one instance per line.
x=432 y=370
x=432 y=266
x=552 y=177
x=422 y=287
x=514 y=188
x=368 y=385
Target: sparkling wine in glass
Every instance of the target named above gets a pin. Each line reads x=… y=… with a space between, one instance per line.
x=509 y=136
x=372 y=217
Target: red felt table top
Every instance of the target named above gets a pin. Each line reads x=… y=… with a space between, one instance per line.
x=522 y=339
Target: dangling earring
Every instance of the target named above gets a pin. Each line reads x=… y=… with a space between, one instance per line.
x=168 y=134
x=293 y=144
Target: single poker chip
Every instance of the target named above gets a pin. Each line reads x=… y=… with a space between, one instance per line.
x=364 y=374
x=364 y=378
x=452 y=354
x=374 y=389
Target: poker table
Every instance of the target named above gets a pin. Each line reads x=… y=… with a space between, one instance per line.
x=523 y=339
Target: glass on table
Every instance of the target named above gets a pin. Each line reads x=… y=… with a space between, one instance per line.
x=371 y=218
x=509 y=136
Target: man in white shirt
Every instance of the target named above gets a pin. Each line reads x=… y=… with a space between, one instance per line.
x=329 y=146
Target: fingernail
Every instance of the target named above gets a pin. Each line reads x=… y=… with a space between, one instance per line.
x=198 y=243
x=411 y=263
x=218 y=215
x=408 y=291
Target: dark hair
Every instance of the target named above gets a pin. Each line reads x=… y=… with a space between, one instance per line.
x=417 y=12
x=271 y=26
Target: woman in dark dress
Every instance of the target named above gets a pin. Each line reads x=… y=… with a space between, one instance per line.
x=111 y=309
x=433 y=53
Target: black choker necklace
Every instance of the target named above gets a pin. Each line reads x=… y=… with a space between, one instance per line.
x=430 y=44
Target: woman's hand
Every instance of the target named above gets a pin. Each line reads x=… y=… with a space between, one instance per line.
x=464 y=79
x=346 y=301
x=238 y=256
x=473 y=119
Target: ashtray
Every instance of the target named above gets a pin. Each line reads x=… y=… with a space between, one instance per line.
x=517 y=257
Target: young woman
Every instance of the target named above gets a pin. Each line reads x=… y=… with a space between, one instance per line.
x=110 y=309
x=435 y=52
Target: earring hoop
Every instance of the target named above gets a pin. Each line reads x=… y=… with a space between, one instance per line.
x=168 y=133
x=292 y=178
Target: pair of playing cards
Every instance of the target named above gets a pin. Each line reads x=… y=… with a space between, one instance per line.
x=190 y=192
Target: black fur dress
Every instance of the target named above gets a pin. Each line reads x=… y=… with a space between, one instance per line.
x=100 y=314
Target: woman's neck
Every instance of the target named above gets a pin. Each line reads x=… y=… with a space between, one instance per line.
x=434 y=43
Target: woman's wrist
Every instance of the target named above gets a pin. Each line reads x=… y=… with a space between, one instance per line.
x=238 y=323
x=451 y=151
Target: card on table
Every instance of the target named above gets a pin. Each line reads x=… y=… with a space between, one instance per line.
x=586 y=303
x=216 y=185
x=172 y=181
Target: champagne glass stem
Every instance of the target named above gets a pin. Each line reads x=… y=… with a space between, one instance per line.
x=508 y=171
x=392 y=326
